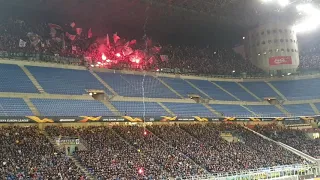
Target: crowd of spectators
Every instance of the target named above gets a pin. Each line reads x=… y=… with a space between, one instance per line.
x=172 y=151
x=295 y=138
x=26 y=153
x=181 y=59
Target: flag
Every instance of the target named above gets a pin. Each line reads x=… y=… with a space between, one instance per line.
x=90 y=33
x=22 y=43
x=148 y=42
x=79 y=31
x=115 y=37
x=34 y=38
x=133 y=42
x=70 y=36
x=54 y=26
x=127 y=50
x=73 y=24
x=108 y=40
x=164 y=58
x=151 y=59
x=156 y=49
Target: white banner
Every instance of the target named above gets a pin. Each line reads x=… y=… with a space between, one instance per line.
x=22 y=43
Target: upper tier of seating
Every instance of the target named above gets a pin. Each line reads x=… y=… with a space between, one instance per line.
x=66 y=81
x=139 y=108
x=13 y=79
x=182 y=87
x=305 y=89
x=260 y=89
x=62 y=107
x=236 y=90
x=137 y=85
x=14 y=107
x=212 y=90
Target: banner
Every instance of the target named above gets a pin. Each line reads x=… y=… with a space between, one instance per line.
x=85 y=119
x=279 y=60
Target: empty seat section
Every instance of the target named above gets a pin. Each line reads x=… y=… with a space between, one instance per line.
x=299 y=109
x=231 y=110
x=212 y=90
x=266 y=110
x=139 y=108
x=14 y=107
x=62 y=107
x=305 y=89
x=13 y=79
x=236 y=90
x=66 y=81
x=317 y=105
x=188 y=110
x=260 y=89
x=137 y=85
x=181 y=86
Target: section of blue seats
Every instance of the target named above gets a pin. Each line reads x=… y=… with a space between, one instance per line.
x=14 y=107
x=137 y=85
x=62 y=107
x=266 y=110
x=189 y=110
x=231 y=110
x=181 y=86
x=212 y=90
x=139 y=109
x=260 y=89
x=66 y=81
x=299 y=109
x=13 y=79
x=236 y=90
x=305 y=89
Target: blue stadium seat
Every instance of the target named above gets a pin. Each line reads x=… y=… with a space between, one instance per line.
x=181 y=86
x=212 y=90
x=299 y=109
x=66 y=81
x=305 y=89
x=14 y=107
x=62 y=107
x=189 y=110
x=260 y=89
x=13 y=79
x=236 y=90
x=131 y=85
x=266 y=110
x=231 y=110
x=139 y=108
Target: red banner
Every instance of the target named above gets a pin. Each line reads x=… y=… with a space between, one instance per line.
x=278 y=60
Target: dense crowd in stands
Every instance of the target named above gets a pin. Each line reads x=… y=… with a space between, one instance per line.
x=293 y=137
x=172 y=151
x=181 y=59
x=26 y=153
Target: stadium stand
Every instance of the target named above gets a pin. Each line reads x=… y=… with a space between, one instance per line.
x=266 y=110
x=299 y=109
x=212 y=90
x=26 y=153
x=66 y=81
x=63 y=107
x=189 y=110
x=13 y=73
x=231 y=110
x=14 y=107
x=260 y=89
x=136 y=85
x=139 y=109
x=296 y=89
x=236 y=90
x=181 y=86
x=293 y=137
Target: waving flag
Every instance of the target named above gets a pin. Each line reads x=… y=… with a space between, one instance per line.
x=115 y=37
x=22 y=43
x=90 y=33
x=79 y=31
x=70 y=36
